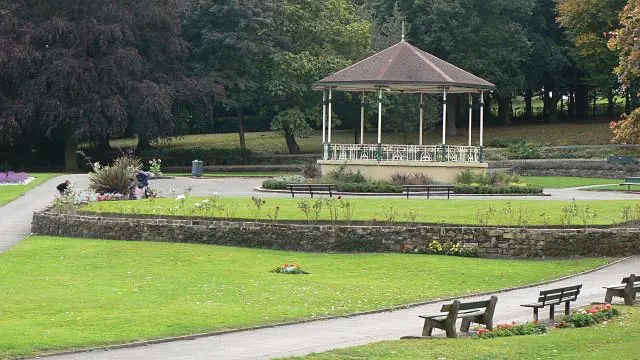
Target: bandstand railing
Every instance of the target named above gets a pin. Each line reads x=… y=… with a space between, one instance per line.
x=389 y=153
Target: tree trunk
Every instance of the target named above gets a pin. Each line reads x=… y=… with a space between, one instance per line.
x=504 y=109
x=611 y=105
x=144 y=143
x=356 y=132
x=528 y=106
x=582 y=101
x=292 y=144
x=627 y=101
x=70 y=147
x=452 y=101
x=243 y=144
x=595 y=103
x=571 y=109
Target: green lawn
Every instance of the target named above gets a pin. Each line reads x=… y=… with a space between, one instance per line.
x=9 y=192
x=59 y=293
x=560 y=182
x=616 y=339
x=454 y=211
x=578 y=133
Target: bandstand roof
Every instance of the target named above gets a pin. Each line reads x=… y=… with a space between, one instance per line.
x=404 y=68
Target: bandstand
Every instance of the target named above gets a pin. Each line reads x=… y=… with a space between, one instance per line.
x=403 y=68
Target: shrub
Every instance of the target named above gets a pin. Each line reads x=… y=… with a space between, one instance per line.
x=116 y=178
x=489 y=189
x=492 y=178
x=592 y=315
x=345 y=175
x=411 y=179
x=523 y=150
x=311 y=170
x=280 y=183
x=372 y=187
x=512 y=329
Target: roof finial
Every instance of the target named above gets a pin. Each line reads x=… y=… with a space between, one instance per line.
x=402 y=30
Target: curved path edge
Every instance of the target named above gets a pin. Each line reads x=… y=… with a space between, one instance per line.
x=306 y=321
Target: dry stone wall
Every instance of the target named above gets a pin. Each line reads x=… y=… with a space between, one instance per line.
x=492 y=242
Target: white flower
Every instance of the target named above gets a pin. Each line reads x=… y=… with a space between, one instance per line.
x=196 y=205
x=205 y=201
x=180 y=197
x=215 y=194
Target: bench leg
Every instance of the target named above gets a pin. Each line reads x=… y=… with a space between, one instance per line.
x=450 y=329
x=552 y=312
x=427 y=328
x=466 y=323
x=608 y=296
x=567 y=308
x=535 y=314
x=628 y=297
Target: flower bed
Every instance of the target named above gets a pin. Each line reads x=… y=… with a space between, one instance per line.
x=512 y=329
x=13 y=177
x=592 y=315
x=289 y=269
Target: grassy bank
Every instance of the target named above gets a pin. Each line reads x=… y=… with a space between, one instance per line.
x=454 y=211
x=9 y=193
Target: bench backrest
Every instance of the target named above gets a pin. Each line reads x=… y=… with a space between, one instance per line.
x=552 y=296
x=452 y=309
x=429 y=187
x=309 y=186
x=632 y=180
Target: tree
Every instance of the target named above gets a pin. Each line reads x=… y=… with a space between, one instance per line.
x=585 y=21
x=486 y=38
x=82 y=70
x=235 y=42
x=626 y=40
x=321 y=37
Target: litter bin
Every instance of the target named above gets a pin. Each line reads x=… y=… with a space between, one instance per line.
x=197 y=166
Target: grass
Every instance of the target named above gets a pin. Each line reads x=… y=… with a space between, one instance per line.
x=60 y=293
x=616 y=187
x=560 y=182
x=237 y=174
x=455 y=211
x=578 y=133
x=617 y=338
x=9 y=193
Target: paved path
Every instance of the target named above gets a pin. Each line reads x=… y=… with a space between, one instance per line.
x=300 y=339
x=15 y=217
x=323 y=335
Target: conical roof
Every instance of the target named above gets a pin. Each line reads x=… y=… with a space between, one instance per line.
x=404 y=68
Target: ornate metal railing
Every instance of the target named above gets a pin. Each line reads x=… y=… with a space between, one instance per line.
x=425 y=153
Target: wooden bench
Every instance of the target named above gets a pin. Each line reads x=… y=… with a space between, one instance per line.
x=429 y=189
x=628 y=289
x=631 y=181
x=624 y=160
x=555 y=297
x=310 y=188
x=479 y=312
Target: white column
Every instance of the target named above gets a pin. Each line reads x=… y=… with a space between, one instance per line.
x=324 y=115
x=444 y=115
x=421 y=119
x=481 y=117
x=362 y=118
x=470 y=116
x=329 y=129
x=380 y=116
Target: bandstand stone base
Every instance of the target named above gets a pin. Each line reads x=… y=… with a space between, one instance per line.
x=383 y=170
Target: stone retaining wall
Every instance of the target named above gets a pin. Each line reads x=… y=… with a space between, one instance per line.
x=493 y=242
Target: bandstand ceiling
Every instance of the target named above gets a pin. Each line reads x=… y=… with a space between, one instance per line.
x=404 y=68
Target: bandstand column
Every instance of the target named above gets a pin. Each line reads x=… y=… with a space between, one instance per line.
x=380 y=116
x=481 y=117
x=470 y=116
x=362 y=118
x=421 y=118
x=329 y=125
x=324 y=116
x=444 y=116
